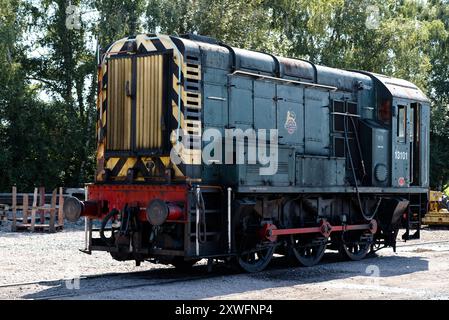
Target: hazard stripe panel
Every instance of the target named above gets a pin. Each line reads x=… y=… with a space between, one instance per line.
x=116 y=92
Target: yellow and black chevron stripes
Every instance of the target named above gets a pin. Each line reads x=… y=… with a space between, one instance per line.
x=119 y=168
x=192 y=110
x=101 y=121
x=115 y=91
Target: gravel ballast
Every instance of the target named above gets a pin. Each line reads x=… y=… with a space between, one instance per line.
x=33 y=264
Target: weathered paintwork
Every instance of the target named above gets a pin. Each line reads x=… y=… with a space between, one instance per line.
x=353 y=147
x=233 y=100
x=241 y=89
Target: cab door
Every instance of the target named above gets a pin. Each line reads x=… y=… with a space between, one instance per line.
x=415 y=114
x=406 y=144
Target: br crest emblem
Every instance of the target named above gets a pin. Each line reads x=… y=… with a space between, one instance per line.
x=290 y=122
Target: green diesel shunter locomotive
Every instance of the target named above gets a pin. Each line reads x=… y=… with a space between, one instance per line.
x=181 y=176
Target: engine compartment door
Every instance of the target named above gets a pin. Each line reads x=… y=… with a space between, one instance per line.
x=118 y=113
x=137 y=112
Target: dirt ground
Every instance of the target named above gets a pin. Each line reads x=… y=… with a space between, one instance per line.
x=33 y=266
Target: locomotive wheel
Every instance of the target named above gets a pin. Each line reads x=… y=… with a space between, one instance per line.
x=356 y=248
x=255 y=260
x=308 y=252
x=253 y=255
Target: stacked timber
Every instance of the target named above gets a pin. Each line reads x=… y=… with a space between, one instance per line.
x=36 y=214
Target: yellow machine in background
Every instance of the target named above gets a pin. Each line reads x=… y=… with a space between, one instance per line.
x=438 y=213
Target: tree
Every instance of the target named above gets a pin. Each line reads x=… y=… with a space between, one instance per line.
x=29 y=133
x=48 y=70
x=244 y=24
x=12 y=84
x=117 y=19
x=439 y=94
x=63 y=73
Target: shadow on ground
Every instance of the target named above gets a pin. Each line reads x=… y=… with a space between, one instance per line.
x=225 y=281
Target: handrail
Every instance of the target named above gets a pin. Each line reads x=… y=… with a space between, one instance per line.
x=346 y=114
x=307 y=84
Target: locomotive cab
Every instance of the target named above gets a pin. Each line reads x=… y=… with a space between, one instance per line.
x=407 y=141
x=396 y=146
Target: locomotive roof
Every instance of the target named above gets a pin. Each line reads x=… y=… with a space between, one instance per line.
x=400 y=88
x=308 y=71
x=220 y=55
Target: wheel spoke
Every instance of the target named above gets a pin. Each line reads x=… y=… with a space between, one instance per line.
x=356 y=249
x=252 y=255
x=307 y=252
x=256 y=261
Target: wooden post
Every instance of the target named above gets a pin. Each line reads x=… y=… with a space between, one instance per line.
x=41 y=204
x=33 y=210
x=60 y=205
x=52 y=212
x=25 y=209
x=14 y=208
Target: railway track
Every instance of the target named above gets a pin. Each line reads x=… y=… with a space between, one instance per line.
x=121 y=281
x=421 y=244
x=92 y=284
x=94 y=276
x=124 y=287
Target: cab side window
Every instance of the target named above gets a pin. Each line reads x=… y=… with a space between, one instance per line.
x=401 y=123
x=384 y=112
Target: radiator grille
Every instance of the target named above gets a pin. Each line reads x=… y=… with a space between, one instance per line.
x=192 y=104
x=149 y=102
x=135 y=99
x=118 y=130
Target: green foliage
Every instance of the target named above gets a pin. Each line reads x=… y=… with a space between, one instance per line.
x=244 y=24
x=63 y=72
x=118 y=19
x=48 y=72
x=45 y=142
